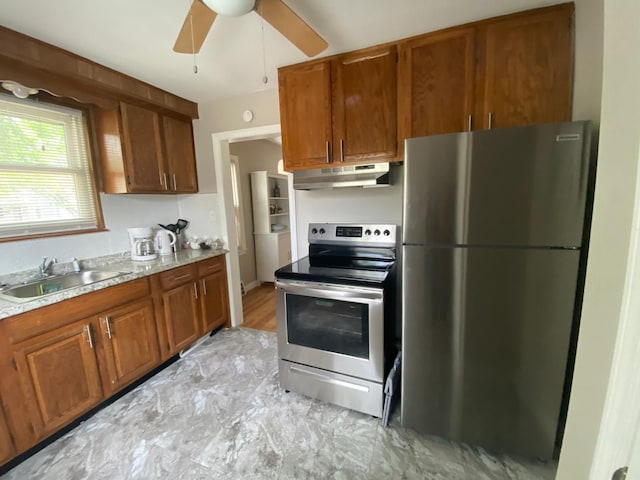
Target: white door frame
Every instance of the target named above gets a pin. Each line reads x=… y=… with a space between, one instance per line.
x=221 y=159
x=620 y=423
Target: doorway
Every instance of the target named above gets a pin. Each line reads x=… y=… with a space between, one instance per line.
x=222 y=162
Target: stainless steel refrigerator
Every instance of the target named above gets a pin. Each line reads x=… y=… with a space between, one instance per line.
x=493 y=232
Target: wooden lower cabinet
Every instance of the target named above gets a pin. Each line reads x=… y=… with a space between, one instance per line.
x=214 y=304
x=59 y=376
x=190 y=301
x=60 y=361
x=7 y=450
x=130 y=344
x=181 y=316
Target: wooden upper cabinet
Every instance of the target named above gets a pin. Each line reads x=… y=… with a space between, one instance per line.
x=130 y=343
x=181 y=160
x=364 y=93
x=59 y=376
x=7 y=449
x=435 y=83
x=305 y=115
x=525 y=68
x=143 y=149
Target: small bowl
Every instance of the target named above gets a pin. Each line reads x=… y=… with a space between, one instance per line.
x=278 y=227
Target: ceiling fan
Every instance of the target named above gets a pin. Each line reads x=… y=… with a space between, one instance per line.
x=203 y=12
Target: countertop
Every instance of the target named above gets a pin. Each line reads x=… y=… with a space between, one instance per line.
x=118 y=262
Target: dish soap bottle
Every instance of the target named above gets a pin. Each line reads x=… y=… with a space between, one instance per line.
x=276 y=190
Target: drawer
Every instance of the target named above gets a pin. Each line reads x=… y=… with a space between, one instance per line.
x=211 y=265
x=177 y=276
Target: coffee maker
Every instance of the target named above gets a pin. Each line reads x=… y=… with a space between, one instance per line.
x=143 y=247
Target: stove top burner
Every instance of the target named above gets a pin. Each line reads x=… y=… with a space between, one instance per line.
x=303 y=270
x=346 y=254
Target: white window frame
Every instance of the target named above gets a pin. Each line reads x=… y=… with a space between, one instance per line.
x=236 y=189
x=78 y=170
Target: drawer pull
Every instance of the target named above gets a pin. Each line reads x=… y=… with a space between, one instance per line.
x=175 y=185
x=89 y=339
x=180 y=277
x=108 y=326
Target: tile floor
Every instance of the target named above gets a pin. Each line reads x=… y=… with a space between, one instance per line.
x=219 y=413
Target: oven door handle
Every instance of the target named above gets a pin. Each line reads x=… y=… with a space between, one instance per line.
x=330 y=291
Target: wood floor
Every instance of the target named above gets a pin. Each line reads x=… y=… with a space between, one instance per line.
x=259 y=308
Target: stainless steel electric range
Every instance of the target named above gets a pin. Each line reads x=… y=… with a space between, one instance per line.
x=336 y=314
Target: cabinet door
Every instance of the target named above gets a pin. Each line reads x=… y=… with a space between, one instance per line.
x=284 y=249
x=305 y=115
x=525 y=69
x=130 y=343
x=365 y=106
x=181 y=316
x=436 y=82
x=7 y=449
x=59 y=375
x=143 y=149
x=181 y=160
x=214 y=302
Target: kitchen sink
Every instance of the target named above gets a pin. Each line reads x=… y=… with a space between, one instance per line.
x=54 y=284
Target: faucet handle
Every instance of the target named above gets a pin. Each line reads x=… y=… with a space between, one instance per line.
x=76 y=265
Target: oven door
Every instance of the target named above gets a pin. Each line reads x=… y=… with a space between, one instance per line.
x=332 y=327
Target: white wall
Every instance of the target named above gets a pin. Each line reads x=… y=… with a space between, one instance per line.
x=225 y=115
x=610 y=234
x=348 y=205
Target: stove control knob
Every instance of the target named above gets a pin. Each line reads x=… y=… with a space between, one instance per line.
x=377 y=233
x=387 y=233
x=314 y=231
x=322 y=231
x=367 y=232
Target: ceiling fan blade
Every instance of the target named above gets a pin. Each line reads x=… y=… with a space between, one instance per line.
x=291 y=26
x=201 y=17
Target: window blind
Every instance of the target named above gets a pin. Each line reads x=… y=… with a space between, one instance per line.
x=46 y=183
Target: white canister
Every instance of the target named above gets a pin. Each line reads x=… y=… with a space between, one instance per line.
x=165 y=241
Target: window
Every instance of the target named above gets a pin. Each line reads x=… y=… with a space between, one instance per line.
x=46 y=182
x=237 y=206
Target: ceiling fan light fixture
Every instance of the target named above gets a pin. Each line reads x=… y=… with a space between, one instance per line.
x=230 y=8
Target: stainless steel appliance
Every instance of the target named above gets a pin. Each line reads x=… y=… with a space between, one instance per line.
x=372 y=175
x=334 y=310
x=493 y=236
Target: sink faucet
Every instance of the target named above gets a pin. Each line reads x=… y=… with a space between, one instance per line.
x=46 y=265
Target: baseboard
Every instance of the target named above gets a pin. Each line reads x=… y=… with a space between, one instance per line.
x=250 y=286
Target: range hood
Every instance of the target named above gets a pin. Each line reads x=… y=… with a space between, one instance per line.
x=370 y=175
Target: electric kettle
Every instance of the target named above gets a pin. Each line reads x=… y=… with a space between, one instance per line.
x=165 y=241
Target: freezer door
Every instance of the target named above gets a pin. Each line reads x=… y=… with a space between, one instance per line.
x=485 y=344
x=515 y=186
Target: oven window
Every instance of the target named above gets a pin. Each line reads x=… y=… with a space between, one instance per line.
x=330 y=325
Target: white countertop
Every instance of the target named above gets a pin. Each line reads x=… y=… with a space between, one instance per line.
x=134 y=269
